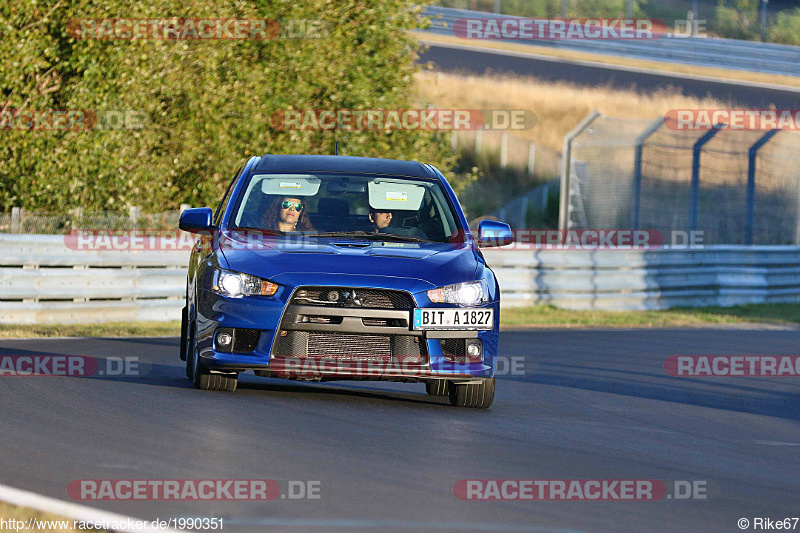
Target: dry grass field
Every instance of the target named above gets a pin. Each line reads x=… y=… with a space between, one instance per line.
x=558 y=106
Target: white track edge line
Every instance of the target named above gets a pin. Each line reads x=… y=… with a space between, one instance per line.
x=71 y=510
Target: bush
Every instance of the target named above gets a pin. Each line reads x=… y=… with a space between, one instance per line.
x=208 y=103
x=734 y=24
x=786 y=28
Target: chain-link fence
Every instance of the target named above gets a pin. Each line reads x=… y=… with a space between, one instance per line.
x=737 y=187
x=23 y=221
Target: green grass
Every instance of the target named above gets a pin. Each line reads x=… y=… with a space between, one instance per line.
x=539 y=316
x=110 y=329
x=549 y=316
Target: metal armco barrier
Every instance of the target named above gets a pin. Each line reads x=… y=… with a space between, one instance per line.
x=647 y=279
x=708 y=52
x=43 y=281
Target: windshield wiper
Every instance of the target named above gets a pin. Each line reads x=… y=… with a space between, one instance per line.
x=368 y=235
x=262 y=231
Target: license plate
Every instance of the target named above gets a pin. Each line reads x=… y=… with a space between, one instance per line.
x=453 y=318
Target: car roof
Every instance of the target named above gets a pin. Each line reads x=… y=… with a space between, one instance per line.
x=343 y=163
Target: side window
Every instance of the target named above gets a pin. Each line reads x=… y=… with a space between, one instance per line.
x=227 y=198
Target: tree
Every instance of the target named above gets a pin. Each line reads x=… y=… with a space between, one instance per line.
x=207 y=104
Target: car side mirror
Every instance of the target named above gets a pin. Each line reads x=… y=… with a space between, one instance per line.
x=196 y=220
x=493 y=233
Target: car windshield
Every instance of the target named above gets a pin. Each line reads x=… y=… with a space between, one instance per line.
x=349 y=206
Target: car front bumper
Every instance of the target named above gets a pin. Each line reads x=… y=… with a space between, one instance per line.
x=412 y=355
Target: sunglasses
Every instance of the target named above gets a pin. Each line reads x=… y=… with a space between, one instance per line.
x=287 y=204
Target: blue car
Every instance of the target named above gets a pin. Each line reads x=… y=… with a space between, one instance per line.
x=332 y=267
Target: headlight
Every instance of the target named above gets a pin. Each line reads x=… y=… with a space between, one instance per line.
x=463 y=294
x=237 y=284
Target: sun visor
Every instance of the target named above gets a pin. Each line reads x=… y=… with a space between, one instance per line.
x=389 y=195
x=289 y=184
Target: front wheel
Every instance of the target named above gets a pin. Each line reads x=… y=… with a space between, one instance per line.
x=201 y=377
x=184 y=327
x=437 y=387
x=475 y=395
x=221 y=382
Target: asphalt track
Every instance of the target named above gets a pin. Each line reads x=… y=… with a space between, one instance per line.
x=582 y=404
x=473 y=60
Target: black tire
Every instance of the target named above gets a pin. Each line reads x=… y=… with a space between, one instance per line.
x=184 y=325
x=477 y=396
x=437 y=387
x=190 y=349
x=220 y=382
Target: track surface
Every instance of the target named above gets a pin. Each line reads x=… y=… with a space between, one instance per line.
x=478 y=62
x=590 y=405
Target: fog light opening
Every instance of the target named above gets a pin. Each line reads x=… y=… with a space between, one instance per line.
x=474 y=349
x=224 y=339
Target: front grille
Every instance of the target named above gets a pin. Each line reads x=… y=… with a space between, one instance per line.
x=350 y=346
x=245 y=340
x=352 y=297
x=347 y=345
x=454 y=350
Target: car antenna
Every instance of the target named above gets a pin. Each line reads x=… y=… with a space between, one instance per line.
x=335 y=147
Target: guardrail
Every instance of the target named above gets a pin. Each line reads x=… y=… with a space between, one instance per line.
x=699 y=51
x=648 y=279
x=43 y=281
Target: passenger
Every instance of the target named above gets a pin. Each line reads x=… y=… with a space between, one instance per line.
x=287 y=214
x=379 y=219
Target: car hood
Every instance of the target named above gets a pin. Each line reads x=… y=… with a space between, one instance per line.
x=407 y=266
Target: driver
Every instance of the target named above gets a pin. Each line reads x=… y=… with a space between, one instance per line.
x=379 y=219
x=286 y=214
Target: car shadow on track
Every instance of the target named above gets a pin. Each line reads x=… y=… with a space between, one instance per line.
x=273 y=386
x=113 y=368
x=761 y=396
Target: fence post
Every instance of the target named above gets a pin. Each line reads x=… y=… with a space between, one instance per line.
x=504 y=150
x=636 y=204
x=16 y=219
x=133 y=214
x=453 y=141
x=531 y=158
x=695 y=190
x=752 y=154
x=478 y=140
x=797 y=220
x=566 y=164
x=77 y=217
